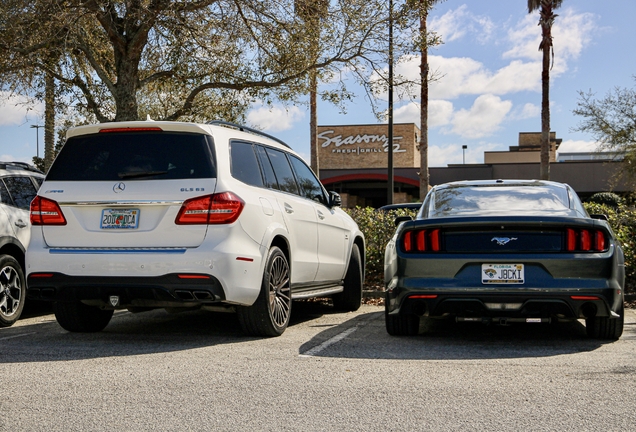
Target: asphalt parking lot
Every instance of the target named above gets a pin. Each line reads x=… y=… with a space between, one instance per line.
x=196 y=371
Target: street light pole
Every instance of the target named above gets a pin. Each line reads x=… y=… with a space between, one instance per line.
x=37 y=139
x=464 y=147
x=390 y=114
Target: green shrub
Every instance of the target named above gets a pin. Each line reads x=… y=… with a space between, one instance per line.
x=606 y=198
x=378 y=227
x=623 y=223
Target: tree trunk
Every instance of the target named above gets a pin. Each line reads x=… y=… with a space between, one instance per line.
x=49 y=120
x=424 y=176
x=313 y=124
x=546 y=46
x=125 y=95
x=545 y=116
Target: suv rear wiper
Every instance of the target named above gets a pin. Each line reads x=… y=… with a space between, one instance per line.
x=134 y=174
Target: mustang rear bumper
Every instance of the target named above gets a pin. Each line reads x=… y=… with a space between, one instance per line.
x=517 y=303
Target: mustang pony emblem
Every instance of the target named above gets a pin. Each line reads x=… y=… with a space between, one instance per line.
x=501 y=241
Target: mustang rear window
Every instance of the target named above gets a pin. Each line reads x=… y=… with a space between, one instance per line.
x=134 y=156
x=505 y=200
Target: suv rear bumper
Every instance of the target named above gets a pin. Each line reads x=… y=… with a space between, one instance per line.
x=235 y=267
x=160 y=291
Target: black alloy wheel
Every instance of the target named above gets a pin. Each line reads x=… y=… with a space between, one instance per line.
x=270 y=313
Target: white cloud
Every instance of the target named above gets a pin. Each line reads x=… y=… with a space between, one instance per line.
x=10 y=158
x=14 y=109
x=440 y=113
x=483 y=118
x=573 y=146
x=526 y=111
x=456 y=23
x=458 y=76
x=275 y=119
x=570 y=33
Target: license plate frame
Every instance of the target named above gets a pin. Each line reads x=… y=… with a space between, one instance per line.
x=505 y=274
x=118 y=219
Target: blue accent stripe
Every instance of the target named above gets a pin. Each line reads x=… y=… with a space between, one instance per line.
x=117 y=251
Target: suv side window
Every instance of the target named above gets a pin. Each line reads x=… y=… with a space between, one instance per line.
x=22 y=191
x=5 y=198
x=284 y=174
x=268 y=171
x=244 y=164
x=310 y=187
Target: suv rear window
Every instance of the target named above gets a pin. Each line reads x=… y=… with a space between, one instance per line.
x=134 y=155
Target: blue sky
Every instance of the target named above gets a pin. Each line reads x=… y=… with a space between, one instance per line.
x=489 y=86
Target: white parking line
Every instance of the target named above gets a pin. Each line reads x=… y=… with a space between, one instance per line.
x=17 y=336
x=337 y=338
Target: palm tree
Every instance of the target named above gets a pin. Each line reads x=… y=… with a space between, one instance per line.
x=546 y=19
x=311 y=12
x=424 y=7
x=49 y=120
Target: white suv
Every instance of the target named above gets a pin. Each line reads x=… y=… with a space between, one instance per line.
x=145 y=215
x=19 y=183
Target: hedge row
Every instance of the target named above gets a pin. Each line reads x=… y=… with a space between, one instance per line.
x=623 y=221
x=378 y=228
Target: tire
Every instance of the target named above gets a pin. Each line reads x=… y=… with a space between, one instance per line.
x=402 y=324
x=12 y=290
x=350 y=298
x=81 y=318
x=605 y=327
x=270 y=313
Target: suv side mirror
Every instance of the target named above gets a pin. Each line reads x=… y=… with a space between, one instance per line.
x=334 y=199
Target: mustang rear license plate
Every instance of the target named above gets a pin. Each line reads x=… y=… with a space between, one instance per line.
x=502 y=274
x=120 y=219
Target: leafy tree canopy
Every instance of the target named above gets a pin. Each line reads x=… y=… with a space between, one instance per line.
x=611 y=121
x=188 y=60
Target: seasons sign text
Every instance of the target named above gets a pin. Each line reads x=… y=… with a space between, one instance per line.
x=358 y=141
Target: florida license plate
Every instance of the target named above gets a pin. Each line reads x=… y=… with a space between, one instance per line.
x=502 y=274
x=120 y=219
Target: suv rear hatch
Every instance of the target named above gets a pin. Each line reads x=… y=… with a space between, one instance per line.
x=124 y=187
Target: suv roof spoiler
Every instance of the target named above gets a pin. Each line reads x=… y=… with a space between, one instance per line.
x=246 y=129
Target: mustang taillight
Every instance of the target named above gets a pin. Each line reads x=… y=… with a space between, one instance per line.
x=221 y=208
x=421 y=241
x=46 y=212
x=586 y=240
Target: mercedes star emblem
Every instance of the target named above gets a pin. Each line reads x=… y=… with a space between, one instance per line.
x=119 y=187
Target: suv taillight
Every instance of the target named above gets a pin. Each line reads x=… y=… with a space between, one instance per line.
x=585 y=240
x=221 y=208
x=422 y=241
x=46 y=212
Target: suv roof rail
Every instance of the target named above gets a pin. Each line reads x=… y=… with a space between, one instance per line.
x=246 y=129
x=21 y=165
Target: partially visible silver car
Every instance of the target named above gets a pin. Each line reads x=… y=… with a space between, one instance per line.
x=19 y=183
